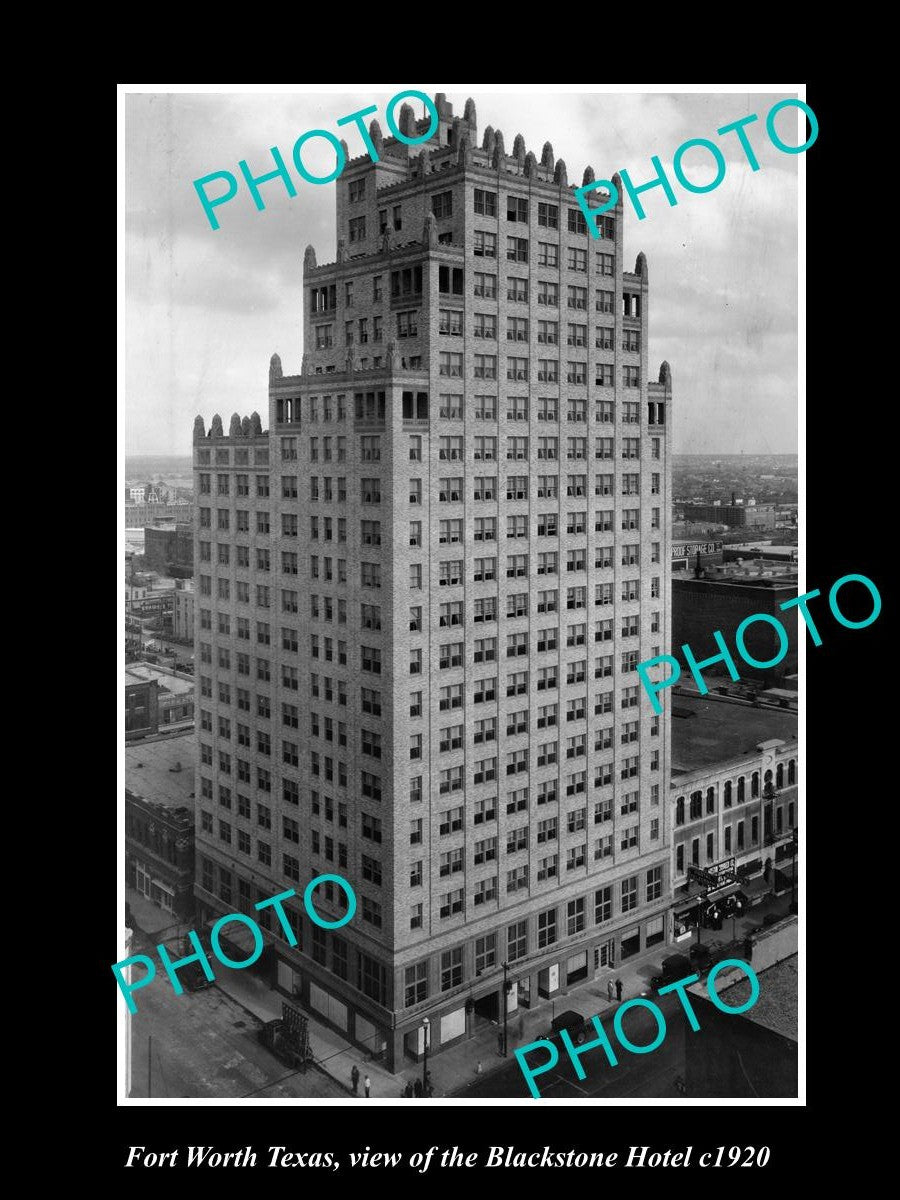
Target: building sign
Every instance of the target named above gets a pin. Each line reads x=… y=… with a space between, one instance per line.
x=689 y=549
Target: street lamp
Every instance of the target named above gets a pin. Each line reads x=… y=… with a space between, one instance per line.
x=426 y=1025
x=505 y=1044
x=793 y=865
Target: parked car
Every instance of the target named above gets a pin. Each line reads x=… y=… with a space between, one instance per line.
x=573 y=1023
x=676 y=966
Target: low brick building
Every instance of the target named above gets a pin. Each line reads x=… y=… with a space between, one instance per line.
x=159 y=822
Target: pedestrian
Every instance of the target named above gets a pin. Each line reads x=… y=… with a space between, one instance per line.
x=367 y=1083
x=417 y=1088
x=429 y=1088
x=618 y=989
x=354 y=1079
x=479 y=1069
x=408 y=1090
x=609 y=995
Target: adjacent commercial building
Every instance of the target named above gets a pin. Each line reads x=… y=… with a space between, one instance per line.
x=735 y=768
x=421 y=597
x=156 y=698
x=722 y=602
x=690 y=555
x=169 y=549
x=183 y=612
x=144 y=514
x=750 y=516
x=159 y=822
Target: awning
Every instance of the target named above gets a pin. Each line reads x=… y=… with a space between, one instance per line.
x=728 y=890
x=756 y=887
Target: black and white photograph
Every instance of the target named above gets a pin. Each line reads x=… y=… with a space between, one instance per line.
x=464 y=634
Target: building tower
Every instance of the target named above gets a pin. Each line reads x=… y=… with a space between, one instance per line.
x=422 y=597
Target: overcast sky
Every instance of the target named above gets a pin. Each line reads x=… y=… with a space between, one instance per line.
x=205 y=310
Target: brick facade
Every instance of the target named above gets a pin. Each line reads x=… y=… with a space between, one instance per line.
x=416 y=649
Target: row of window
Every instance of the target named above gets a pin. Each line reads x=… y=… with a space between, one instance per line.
x=484 y=366
x=241 y=456
x=736 y=791
x=735 y=837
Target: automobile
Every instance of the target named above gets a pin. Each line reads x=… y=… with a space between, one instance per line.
x=193 y=978
x=573 y=1023
x=676 y=966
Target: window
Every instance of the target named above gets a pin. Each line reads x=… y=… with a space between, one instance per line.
x=548 y=333
x=548 y=216
x=546 y=928
x=576 y=221
x=576 y=297
x=451 y=903
x=517 y=368
x=485 y=244
x=485 y=366
x=516 y=249
x=450 y=364
x=485 y=326
x=629 y=893
x=416 y=983
x=451 y=968
x=548 y=253
x=357 y=227
x=485 y=203
x=485 y=286
x=442 y=204
x=576 y=259
x=548 y=293
x=516 y=209
x=450 y=322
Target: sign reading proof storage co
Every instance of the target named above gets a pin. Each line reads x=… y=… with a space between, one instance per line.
x=686 y=549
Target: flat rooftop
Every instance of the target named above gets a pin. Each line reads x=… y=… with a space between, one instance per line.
x=776 y=1005
x=707 y=730
x=768 y=546
x=142 y=672
x=151 y=769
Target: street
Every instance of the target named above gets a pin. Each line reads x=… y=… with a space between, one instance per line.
x=205 y=1044
x=652 y=1074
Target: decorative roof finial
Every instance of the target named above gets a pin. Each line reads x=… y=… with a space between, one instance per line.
x=377 y=136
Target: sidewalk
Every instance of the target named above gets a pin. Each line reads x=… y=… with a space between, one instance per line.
x=455 y=1068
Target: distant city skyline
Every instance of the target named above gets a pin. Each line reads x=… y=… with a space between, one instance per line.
x=205 y=310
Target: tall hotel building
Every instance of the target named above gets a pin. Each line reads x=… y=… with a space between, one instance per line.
x=422 y=595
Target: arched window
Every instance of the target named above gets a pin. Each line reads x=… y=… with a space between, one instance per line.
x=710 y=800
x=792 y=773
x=696 y=805
x=679 y=811
x=726 y=793
x=754 y=785
x=779 y=776
x=740 y=790
x=767 y=778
